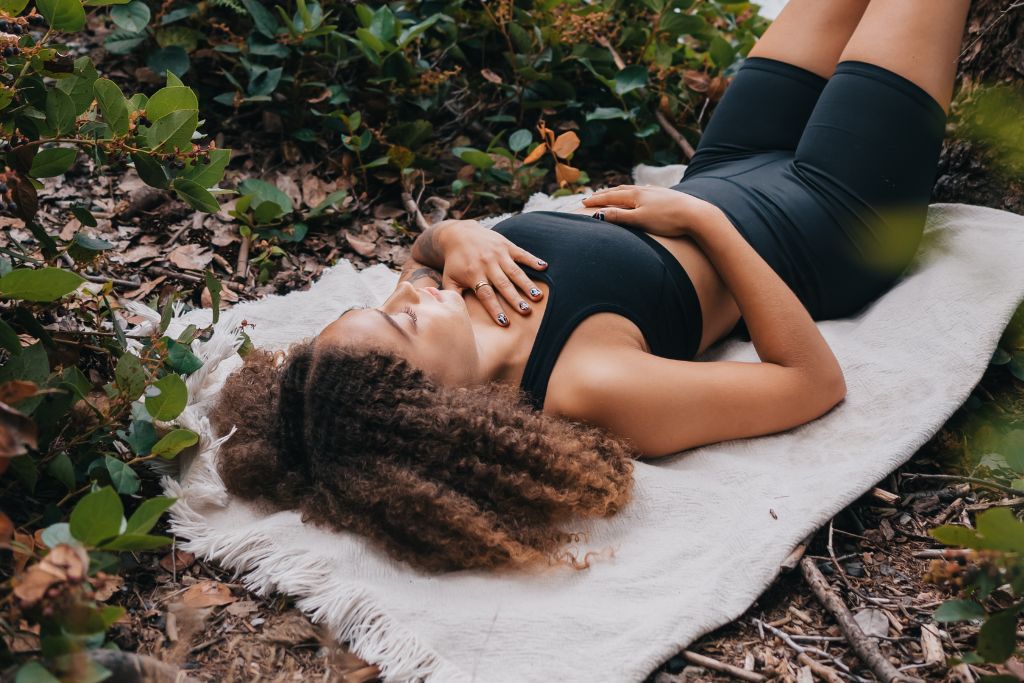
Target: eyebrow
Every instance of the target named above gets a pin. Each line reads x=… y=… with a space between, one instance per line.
x=391 y=321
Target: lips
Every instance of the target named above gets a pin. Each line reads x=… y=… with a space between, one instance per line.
x=433 y=292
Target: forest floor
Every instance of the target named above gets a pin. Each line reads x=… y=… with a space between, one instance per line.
x=190 y=613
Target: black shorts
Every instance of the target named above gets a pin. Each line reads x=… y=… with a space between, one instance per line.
x=828 y=179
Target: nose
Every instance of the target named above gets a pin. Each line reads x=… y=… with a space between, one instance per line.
x=405 y=292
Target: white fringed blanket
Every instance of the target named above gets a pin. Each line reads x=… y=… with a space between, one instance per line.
x=707 y=529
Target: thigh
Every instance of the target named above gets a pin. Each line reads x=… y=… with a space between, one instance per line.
x=871 y=149
x=764 y=109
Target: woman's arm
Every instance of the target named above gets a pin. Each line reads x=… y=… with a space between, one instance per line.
x=780 y=327
x=419 y=275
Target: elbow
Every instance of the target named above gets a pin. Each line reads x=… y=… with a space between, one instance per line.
x=835 y=387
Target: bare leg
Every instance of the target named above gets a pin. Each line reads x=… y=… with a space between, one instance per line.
x=812 y=33
x=917 y=39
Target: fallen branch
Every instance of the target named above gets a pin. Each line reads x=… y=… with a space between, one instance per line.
x=801 y=649
x=865 y=647
x=243 y=259
x=722 y=667
x=823 y=672
x=414 y=211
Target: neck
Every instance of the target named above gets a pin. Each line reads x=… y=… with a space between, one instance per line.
x=503 y=351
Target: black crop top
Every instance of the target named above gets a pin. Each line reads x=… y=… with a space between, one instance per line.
x=595 y=266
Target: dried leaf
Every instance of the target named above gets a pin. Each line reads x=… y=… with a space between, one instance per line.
x=286 y=183
x=242 y=608
x=105 y=585
x=872 y=621
x=18 y=432
x=177 y=560
x=291 y=629
x=536 y=154
x=207 y=594
x=546 y=134
x=63 y=563
x=566 y=175
x=17 y=390
x=145 y=288
x=696 y=81
x=190 y=256
x=22 y=556
x=361 y=246
x=136 y=254
x=491 y=76
x=566 y=144
x=6 y=528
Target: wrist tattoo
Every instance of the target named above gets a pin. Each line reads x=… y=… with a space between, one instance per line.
x=423 y=272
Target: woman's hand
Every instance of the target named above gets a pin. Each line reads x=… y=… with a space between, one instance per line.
x=474 y=254
x=657 y=210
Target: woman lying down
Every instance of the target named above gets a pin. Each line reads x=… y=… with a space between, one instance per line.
x=456 y=435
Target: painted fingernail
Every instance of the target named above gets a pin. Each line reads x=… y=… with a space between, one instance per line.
x=523 y=306
x=541 y=263
x=502 y=319
x=599 y=215
x=534 y=292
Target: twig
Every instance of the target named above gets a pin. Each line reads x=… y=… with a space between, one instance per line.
x=663 y=121
x=865 y=647
x=195 y=279
x=782 y=635
x=715 y=665
x=414 y=211
x=973 y=480
x=995 y=21
x=820 y=669
x=243 y=258
x=793 y=559
x=676 y=136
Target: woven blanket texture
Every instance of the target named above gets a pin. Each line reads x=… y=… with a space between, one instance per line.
x=707 y=529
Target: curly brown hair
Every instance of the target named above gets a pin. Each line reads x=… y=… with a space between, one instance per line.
x=442 y=477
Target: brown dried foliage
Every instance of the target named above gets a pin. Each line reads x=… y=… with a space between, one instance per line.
x=444 y=478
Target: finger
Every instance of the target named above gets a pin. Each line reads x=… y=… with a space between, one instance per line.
x=516 y=275
x=504 y=286
x=489 y=298
x=618 y=216
x=623 y=198
x=448 y=283
x=527 y=259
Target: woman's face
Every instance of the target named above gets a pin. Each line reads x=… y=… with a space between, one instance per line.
x=428 y=327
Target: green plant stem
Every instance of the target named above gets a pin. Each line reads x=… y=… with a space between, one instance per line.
x=20 y=257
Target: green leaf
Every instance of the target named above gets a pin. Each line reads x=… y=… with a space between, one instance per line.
x=91 y=243
x=1001 y=530
x=958 y=610
x=79 y=86
x=473 y=156
x=327 y=202
x=97 y=517
x=120 y=42
x=112 y=105
x=9 y=339
x=181 y=359
x=214 y=286
x=951 y=534
x=40 y=284
x=13 y=6
x=63 y=15
x=370 y=41
x=122 y=476
x=607 y=113
x=383 y=24
x=721 y=51
x=265 y=192
x=60 y=111
x=130 y=376
x=173 y=131
x=61 y=469
x=171 y=58
x=171 y=99
x=174 y=442
x=147 y=514
x=208 y=175
x=997 y=637
x=262 y=19
x=140 y=437
x=53 y=161
x=150 y=170
x=34 y=672
x=195 y=195
x=84 y=216
x=135 y=542
x=131 y=17
x=520 y=140
x=170 y=400
x=630 y=78
x=58 y=533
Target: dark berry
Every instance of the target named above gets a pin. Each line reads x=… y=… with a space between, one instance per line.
x=143 y=121
x=10 y=51
x=4 y=25
x=16 y=29
x=12 y=207
x=36 y=20
x=3 y=187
